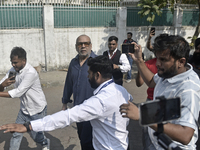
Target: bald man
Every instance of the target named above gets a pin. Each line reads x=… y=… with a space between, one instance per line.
x=77 y=83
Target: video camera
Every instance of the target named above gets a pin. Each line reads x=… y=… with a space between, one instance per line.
x=158 y=112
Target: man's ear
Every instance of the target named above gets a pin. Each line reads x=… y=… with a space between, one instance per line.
x=97 y=75
x=182 y=62
x=24 y=61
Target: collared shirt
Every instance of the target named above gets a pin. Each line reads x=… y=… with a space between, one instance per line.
x=28 y=89
x=129 y=41
x=102 y=109
x=123 y=60
x=186 y=86
x=77 y=82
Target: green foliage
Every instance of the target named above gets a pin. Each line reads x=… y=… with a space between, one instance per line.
x=150 y=8
x=192 y=41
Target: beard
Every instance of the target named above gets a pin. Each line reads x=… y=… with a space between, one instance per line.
x=93 y=82
x=196 y=58
x=168 y=73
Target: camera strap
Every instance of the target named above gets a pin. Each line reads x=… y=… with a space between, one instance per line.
x=160 y=128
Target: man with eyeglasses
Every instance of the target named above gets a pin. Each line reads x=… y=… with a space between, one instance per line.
x=77 y=83
x=120 y=61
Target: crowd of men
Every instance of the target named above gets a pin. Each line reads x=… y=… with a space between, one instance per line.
x=102 y=106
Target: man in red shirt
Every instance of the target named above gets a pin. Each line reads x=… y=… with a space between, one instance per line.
x=151 y=65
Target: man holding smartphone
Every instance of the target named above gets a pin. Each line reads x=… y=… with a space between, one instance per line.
x=175 y=78
x=129 y=40
x=120 y=61
x=28 y=89
x=151 y=34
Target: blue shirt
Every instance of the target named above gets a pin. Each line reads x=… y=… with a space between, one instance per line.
x=77 y=82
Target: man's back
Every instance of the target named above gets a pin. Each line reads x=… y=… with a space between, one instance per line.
x=109 y=128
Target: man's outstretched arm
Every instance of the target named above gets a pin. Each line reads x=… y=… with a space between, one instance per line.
x=62 y=118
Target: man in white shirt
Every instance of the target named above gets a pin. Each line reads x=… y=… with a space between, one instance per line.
x=28 y=90
x=120 y=61
x=102 y=109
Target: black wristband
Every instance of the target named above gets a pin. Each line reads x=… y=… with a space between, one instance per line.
x=26 y=124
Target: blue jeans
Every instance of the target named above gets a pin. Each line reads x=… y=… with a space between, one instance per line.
x=37 y=136
x=130 y=62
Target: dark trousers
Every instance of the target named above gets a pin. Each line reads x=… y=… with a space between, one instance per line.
x=85 y=135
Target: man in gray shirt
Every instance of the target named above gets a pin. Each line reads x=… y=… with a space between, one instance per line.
x=175 y=78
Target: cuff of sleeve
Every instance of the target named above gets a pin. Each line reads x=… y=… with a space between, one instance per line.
x=37 y=125
x=65 y=101
x=11 y=93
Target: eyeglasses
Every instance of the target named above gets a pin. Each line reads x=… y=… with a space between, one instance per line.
x=79 y=44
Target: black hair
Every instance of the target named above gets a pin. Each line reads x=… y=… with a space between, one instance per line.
x=130 y=33
x=111 y=38
x=18 y=51
x=197 y=42
x=101 y=64
x=177 y=45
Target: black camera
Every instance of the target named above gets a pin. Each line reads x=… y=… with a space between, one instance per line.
x=128 y=48
x=159 y=111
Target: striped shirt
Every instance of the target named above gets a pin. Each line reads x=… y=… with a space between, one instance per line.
x=186 y=86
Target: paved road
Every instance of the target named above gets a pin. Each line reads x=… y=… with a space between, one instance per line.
x=66 y=138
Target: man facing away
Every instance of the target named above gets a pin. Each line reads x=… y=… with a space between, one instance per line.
x=129 y=40
x=102 y=110
x=120 y=61
x=77 y=84
x=28 y=90
x=175 y=78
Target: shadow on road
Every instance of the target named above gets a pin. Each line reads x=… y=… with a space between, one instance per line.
x=55 y=142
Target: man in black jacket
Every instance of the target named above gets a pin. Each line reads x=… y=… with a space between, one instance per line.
x=120 y=62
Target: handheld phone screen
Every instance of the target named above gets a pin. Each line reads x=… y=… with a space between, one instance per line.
x=159 y=111
x=128 y=48
x=12 y=74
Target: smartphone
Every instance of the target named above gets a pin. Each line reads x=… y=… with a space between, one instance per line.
x=159 y=111
x=128 y=48
x=153 y=29
x=12 y=74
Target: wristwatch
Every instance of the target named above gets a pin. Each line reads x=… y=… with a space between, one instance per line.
x=26 y=124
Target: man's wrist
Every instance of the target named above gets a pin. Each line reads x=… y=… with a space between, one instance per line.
x=149 y=38
x=1 y=86
x=28 y=126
